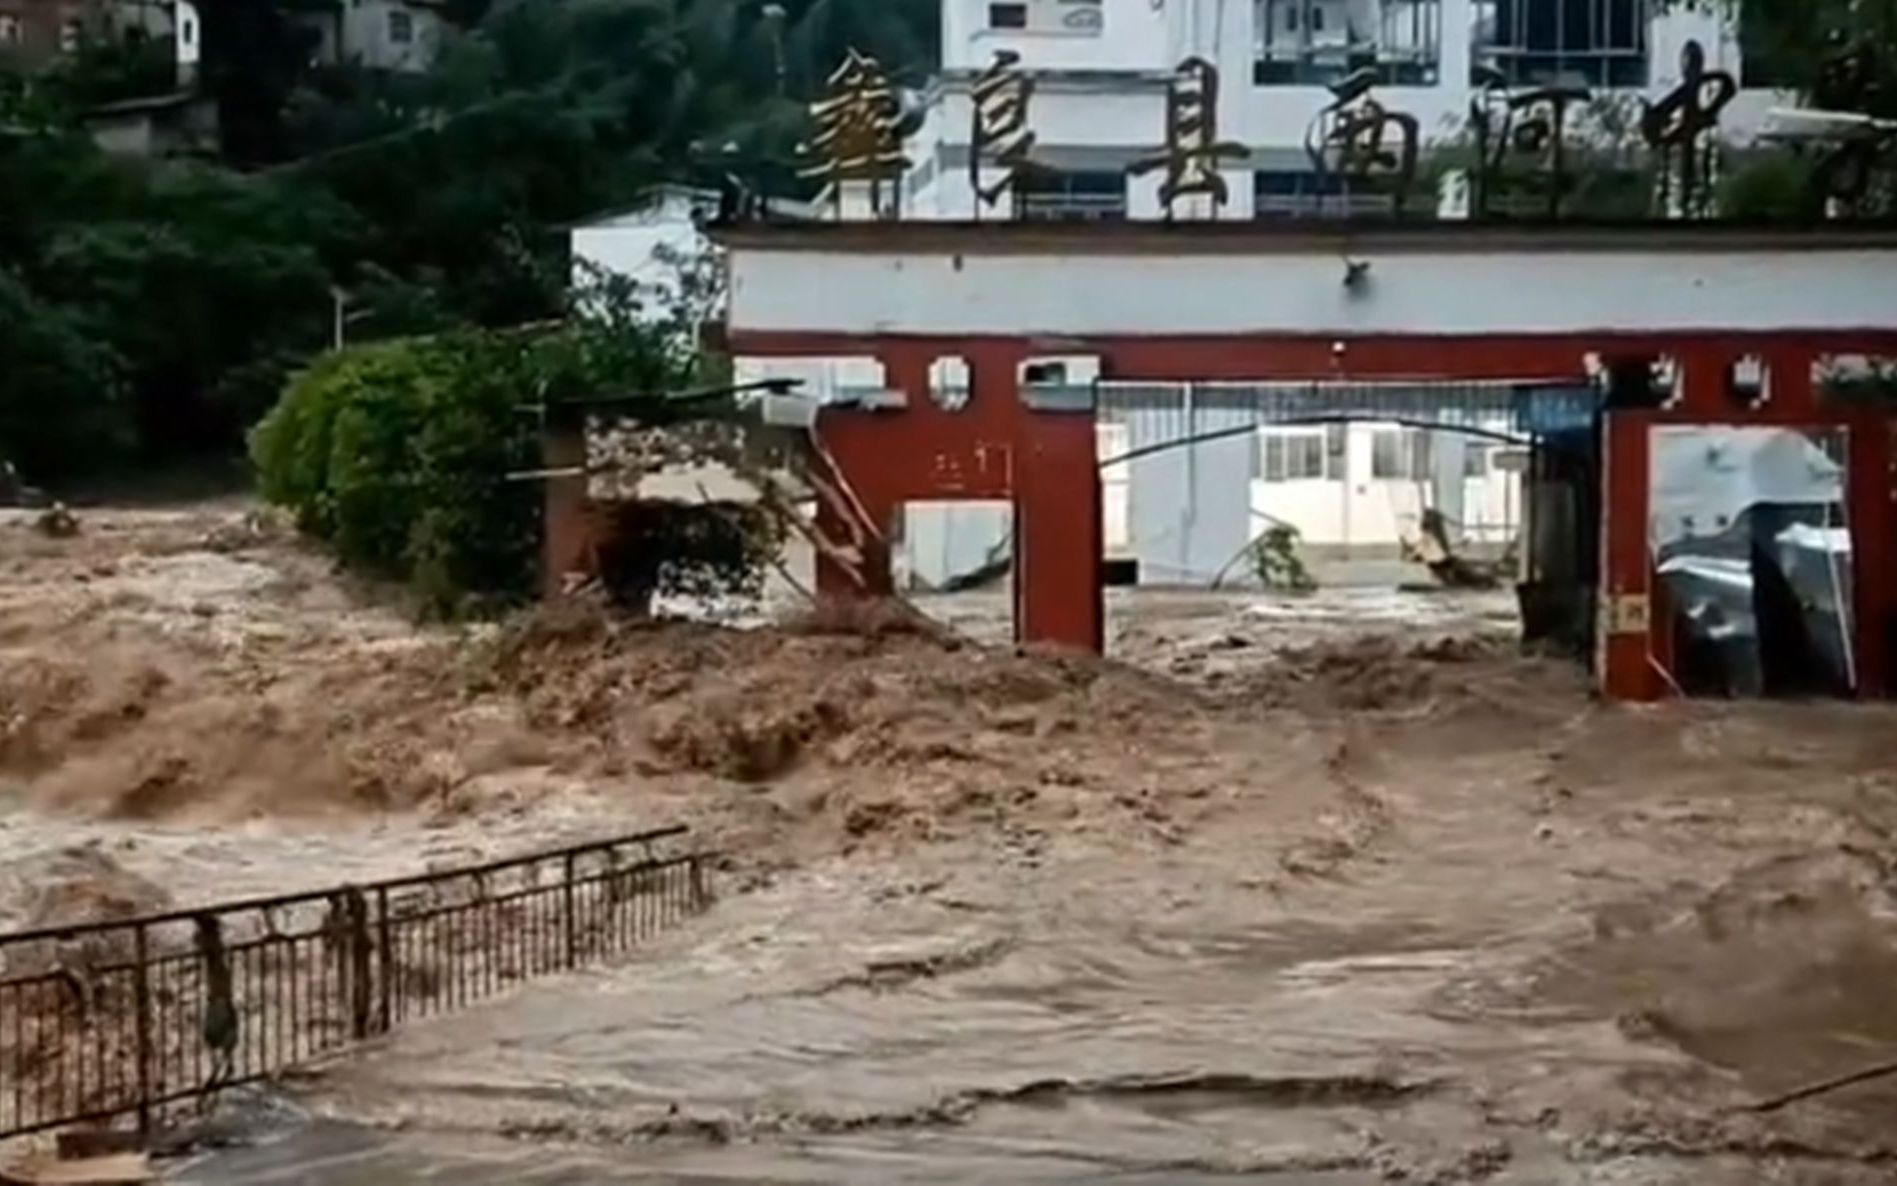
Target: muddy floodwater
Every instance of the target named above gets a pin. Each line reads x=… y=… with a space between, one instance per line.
x=1331 y=890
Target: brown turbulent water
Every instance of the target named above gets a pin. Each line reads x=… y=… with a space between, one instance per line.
x=1330 y=891
x=1487 y=954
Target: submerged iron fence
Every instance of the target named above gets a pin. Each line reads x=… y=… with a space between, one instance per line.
x=133 y=1018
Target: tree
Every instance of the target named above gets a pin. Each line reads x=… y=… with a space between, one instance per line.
x=59 y=389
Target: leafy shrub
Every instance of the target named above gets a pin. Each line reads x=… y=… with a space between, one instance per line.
x=61 y=392
x=1276 y=560
x=397 y=455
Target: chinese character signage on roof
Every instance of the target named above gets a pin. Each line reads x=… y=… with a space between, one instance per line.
x=1680 y=128
x=1370 y=147
x=999 y=135
x=859 y=132
x=1528 y=128
x=1193 y=150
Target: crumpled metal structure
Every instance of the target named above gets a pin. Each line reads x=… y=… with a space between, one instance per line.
x=1748 y=535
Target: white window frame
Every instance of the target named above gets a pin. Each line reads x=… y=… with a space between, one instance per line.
x=12 y=28
x=1277 y=444
x=1415 y=454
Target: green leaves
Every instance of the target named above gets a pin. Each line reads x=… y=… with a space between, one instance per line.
x=397 y=453
x=60 y=390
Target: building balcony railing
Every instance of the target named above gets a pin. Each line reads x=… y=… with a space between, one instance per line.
x=1617 y=68
x=1063 y=207
x=1597 y=43
x=1337 y=205
x=1324 y=65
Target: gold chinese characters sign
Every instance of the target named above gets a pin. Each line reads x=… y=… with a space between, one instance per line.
x=999 y=134
x=1193 y=150
x=858 y=122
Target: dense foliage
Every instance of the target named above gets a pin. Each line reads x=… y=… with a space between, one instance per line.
x=162 y=305
x=398 y=455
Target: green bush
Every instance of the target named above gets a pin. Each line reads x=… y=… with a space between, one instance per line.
x=1769 y=186
x=61 y=392
x=397 y=454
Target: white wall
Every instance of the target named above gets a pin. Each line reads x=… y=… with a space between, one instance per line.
x=942 y=540
x=366 y=34
x=1133 y=35
x=637 y=244
x=1502 y=287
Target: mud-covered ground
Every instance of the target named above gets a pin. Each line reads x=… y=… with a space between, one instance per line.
x=1332 y=890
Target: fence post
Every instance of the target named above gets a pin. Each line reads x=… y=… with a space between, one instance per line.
x=358 y=911
x=572 y=923
x=141 y=1002
x=699 y=896
x=385 y=959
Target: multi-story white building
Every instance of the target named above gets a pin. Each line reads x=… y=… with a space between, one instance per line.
x=1101 y=69
x=398 y=35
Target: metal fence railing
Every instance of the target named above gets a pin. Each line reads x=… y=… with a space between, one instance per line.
x=131 y=1018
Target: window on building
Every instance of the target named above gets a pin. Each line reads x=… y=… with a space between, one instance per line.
x=72 y=34
x=1007 y=16
x=1057 y=195
x=1475 y=460
x=1596 y=42
x=401 y=27
x=11 y=32
x=1401 y=454
x=1318 y=42
x=1303 y=193
x=188 y=33
x=1294 y=455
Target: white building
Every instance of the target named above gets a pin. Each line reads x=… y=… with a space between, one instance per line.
x=400 y=35
x=1101 y=68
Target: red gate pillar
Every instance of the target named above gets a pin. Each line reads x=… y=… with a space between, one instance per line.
x=1868 y=496
x=566 y=547
x=1625 y=664
x=1058 y=544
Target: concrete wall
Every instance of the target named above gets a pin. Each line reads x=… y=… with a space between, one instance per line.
x=1129 y=35
x=638 y=243
x=1499 y=289
x=363 y=32
x=369 y=34
x=943 y=540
